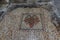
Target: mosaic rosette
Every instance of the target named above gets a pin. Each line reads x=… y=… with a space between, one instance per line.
x=31 y=21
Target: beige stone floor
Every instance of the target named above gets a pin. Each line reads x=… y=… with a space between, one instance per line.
x=10 y=26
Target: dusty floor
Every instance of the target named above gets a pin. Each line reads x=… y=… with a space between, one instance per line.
x=12 y=24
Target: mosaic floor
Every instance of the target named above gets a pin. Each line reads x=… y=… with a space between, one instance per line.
x=28 y=24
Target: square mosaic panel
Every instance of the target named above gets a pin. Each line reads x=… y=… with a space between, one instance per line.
x=31 y=21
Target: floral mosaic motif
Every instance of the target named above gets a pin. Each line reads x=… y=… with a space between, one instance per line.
x=31 y=20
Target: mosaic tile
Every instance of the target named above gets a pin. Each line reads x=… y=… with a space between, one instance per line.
x=31 y=21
